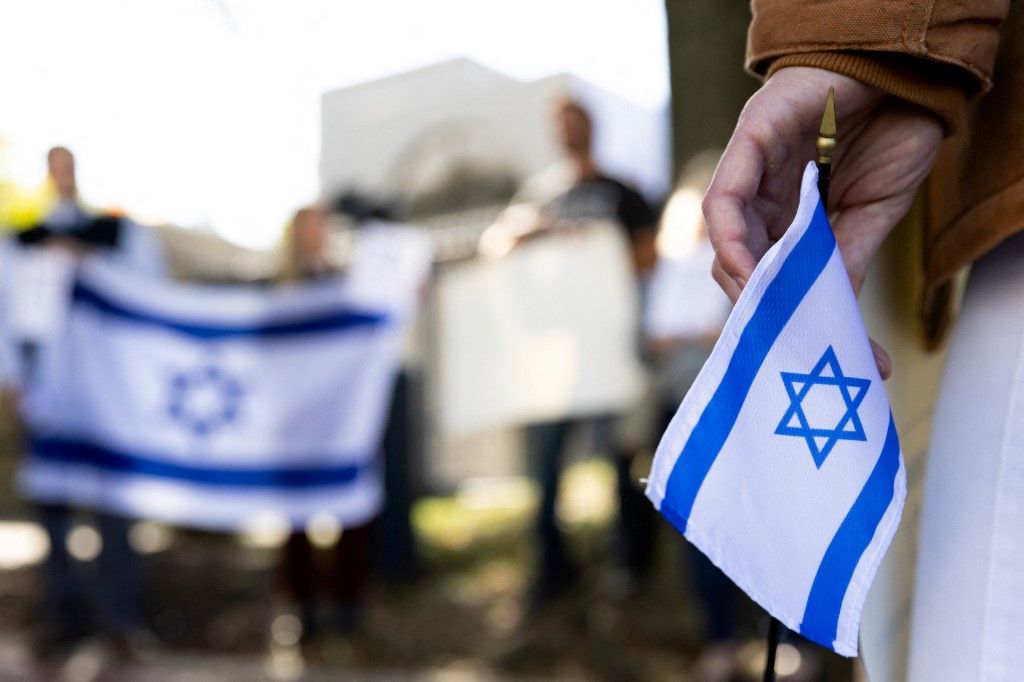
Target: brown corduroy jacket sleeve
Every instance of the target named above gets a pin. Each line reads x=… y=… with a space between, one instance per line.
x=934 y=53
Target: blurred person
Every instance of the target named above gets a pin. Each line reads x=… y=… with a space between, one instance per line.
x=10 y=392
x=71 y=227
x=307 y=258
x=9 y=361
x=396 y=556
x=685 y=315
x=306 y=246
x=75 y=226
x=927 y=95
x=572 y=193
x=596 y=195
x=68 y=209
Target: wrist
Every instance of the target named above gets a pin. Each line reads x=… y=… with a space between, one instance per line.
x=935 y=88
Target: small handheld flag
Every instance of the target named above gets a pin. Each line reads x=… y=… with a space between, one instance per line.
x=782 y=464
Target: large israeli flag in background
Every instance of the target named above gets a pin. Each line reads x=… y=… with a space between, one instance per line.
x=782 y=463
x=217 y=407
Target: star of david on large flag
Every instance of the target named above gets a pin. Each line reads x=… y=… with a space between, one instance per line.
x=827 y=383
x=204 y=400
x=802 y=535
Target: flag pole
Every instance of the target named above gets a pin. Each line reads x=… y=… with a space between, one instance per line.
x=774 y=633
x=825 y=146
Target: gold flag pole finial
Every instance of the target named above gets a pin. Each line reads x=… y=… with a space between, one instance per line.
x=826 y=142
x=825 y=145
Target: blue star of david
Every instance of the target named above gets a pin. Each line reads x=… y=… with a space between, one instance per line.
x=851 y=391
x=204 y=400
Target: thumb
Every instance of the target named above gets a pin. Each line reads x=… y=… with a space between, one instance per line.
x=882 y=360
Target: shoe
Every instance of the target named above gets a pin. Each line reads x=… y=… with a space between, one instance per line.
x=136 y=644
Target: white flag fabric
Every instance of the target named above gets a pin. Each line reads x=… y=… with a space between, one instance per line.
x=216 y=407
x=36 y=281
x=9 y=365
x=782 y=464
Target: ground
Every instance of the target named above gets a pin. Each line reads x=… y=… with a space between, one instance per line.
x=217 y=614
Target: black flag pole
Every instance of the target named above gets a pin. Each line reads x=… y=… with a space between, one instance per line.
x=825 y=145
x=774 y=633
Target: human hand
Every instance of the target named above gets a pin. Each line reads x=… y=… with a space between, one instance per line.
x=886 y=148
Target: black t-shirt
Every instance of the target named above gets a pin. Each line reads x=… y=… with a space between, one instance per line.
x=605 y=198
x=103 y=231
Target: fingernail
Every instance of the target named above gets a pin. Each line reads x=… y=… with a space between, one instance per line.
x=883 y=362
x=740 y=282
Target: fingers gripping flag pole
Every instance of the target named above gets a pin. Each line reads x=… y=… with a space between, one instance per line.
x=782 y=464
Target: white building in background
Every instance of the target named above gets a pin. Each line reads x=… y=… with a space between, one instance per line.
x=401 y=135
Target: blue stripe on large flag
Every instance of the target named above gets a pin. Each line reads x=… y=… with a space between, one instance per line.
x=70 y=451
x=780 y=299
x=337 y=320
x=821 y=616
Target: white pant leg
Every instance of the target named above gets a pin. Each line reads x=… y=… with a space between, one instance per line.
x=968 y=614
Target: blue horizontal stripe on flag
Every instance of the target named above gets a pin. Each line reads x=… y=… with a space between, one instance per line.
x=780 y=299
x=71 y=451
x=821 y=615
x=337 y=320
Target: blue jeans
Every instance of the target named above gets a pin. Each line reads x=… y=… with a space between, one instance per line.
x=717 y=594
x=396 y=556
x=636 y=527
x=116 y=586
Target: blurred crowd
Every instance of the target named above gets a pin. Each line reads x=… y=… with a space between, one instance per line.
x=666 y=250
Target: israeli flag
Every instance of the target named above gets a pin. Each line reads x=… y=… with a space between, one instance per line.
x=782 y=464
x=221 y=407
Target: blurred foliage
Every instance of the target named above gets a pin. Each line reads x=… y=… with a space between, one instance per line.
x=706 y=45
x=20 y=207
